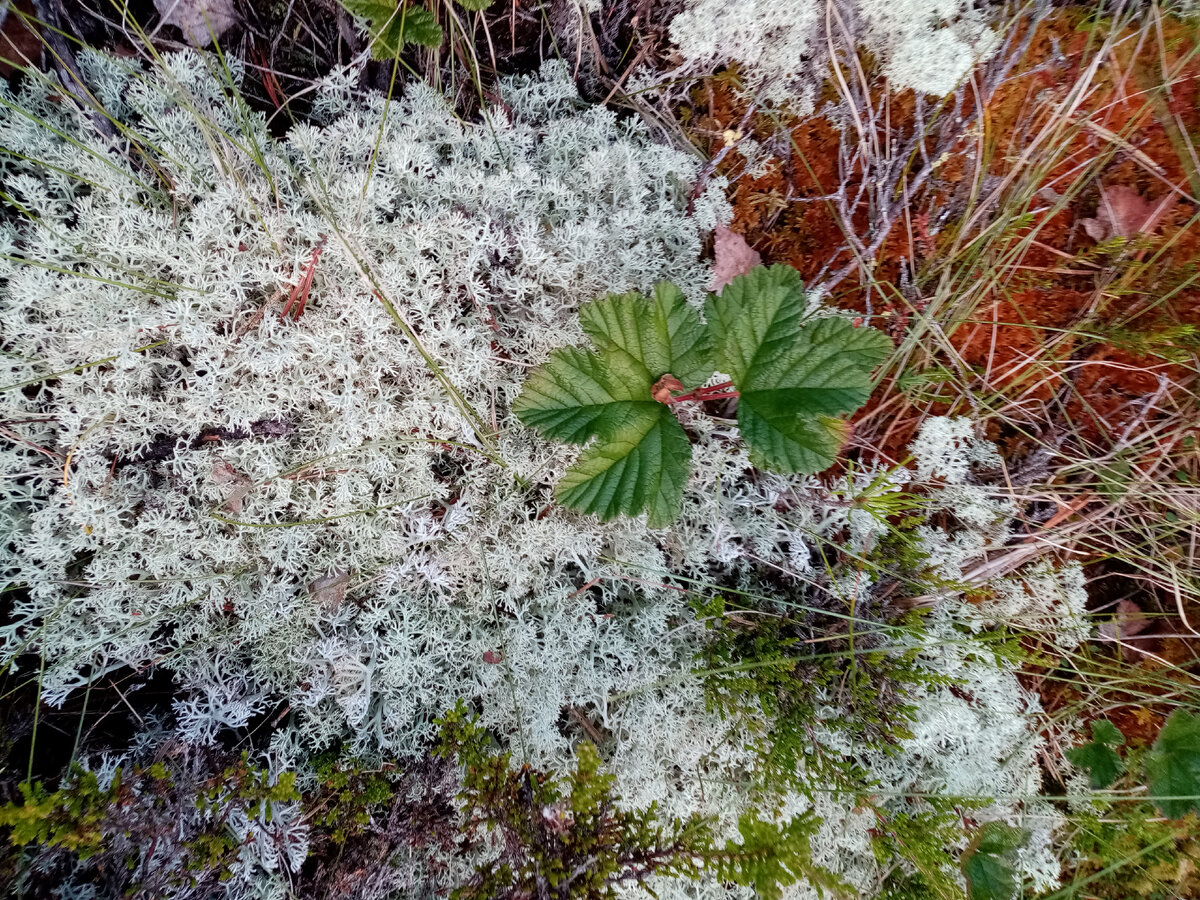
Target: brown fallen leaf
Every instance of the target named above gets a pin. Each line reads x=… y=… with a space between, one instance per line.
x=224 y=473
x=732 y=257
x=1123 y=212
x=1129 y=620
x=201 y=21
x=330 y=590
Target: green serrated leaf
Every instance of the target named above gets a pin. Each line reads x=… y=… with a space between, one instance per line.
x=371 y=10
x=475 y=5
x=662 y=332
x=394 y=25
x=793 y=377
x=783 y=441
x=1173 y=765
x=988 y=863
x=641 y=455
x=420 y=27
x=757 y=317
x=1105 y=732
x=579 y=394
x=641 y=466
x=1104 y=765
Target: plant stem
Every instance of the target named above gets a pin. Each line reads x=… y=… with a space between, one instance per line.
x=721 y=391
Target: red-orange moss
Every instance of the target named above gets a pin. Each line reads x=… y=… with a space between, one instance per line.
x=1040 y=337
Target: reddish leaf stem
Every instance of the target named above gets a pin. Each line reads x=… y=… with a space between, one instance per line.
x=722 y=391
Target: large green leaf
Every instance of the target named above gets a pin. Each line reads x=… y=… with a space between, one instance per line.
x=793 y=376
x=756 y=318
x=475 y=5
x=662 y=332
x=1103 y=763
x=1173 y=765
x=641 y=466
x=640 y=458
x=579 y=394
x=393 y=24
x=988 y=862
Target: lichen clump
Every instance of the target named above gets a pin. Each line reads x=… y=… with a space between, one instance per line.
x=224 y=460
x=783 y=46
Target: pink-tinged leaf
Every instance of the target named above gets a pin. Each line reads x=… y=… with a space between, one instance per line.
x=1126 y=628
x=1096 y=229
x=1123 y=212
x=492 y=656
x=732 y=257
x=1129 y=620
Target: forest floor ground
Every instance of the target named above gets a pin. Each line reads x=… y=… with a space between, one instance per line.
x=1040 y=274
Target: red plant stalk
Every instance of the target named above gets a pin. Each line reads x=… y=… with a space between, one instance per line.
x=722 y=391
x=299 y=295
x=270 y=82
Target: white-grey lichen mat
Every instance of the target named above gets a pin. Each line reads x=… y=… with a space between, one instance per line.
x=301 y=515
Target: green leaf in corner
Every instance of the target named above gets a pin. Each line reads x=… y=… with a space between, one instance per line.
x=988 y=863
x=793 y=377
x=393 y=25
x=1103 y=763
x=640 y=457
x=1173 y=765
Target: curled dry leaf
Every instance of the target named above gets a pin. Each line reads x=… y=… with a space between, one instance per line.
x=1127 y=624
x=1123 y=212
x=732 y=257
x=201 y=21
x=661 y=391
x=1129 y=620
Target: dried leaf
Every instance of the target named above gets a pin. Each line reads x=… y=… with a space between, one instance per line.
x=1096 y=230
x=1126 y=627
x=1146 y=718
x=330 y=590
x=201 y=21
x=18 y=40
x=224 y=473
x=661 y=390
x=1129 y=620
x=732 y=257
x=1123 y=212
